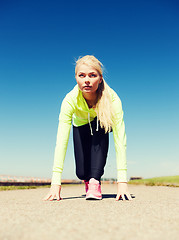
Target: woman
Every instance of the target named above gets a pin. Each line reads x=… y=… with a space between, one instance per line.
x=95 y=110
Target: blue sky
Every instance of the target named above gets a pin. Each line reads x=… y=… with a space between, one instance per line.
x=137 y=41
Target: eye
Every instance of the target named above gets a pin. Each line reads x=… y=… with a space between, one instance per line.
x=93 y=75
x=81 y=75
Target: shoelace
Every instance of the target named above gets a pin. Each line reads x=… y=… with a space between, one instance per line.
x=93 y=186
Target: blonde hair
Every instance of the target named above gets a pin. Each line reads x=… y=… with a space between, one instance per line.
x=103 y=107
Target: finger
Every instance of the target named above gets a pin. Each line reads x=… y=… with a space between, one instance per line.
x=52 y=197
x=123 y=197
x=47 y=197
x=58 y=198
x=129 y=196
x=118 y=197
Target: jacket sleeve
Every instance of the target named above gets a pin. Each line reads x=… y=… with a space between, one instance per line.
x=119 y=139
x=64 y=126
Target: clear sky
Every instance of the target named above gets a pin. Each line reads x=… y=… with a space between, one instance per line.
x=138 y=43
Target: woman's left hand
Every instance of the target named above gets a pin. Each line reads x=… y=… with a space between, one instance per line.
x=122 y=189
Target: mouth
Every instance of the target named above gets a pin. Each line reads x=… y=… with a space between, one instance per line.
x=87 y=87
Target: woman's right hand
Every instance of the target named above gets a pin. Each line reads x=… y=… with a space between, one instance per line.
x=54 y=193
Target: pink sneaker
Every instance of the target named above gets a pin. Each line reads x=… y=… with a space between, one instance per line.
x=94 y=190
x=86 y=185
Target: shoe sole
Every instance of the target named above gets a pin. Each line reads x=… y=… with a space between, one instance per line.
x=93 y=197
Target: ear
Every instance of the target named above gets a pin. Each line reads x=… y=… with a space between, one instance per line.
x=101 y=79
x=75 y=77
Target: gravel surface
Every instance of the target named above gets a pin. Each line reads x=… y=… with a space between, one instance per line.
x=152 y=214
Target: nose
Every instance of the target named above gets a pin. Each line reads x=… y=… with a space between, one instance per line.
x=87 y=80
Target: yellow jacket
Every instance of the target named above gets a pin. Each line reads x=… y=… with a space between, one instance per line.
x=75 y=109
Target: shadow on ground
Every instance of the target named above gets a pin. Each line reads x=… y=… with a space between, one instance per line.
x=103 y=197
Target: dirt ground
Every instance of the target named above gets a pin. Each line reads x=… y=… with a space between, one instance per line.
x=152 y=214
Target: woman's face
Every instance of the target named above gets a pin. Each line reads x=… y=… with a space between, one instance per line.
x=88 y=78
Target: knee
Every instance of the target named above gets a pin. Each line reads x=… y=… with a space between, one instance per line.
x=80 y=175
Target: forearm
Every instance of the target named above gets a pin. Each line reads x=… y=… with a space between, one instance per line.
x=120 y=142
x=60 y=152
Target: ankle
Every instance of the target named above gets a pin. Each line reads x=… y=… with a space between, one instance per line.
x=94 y=180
